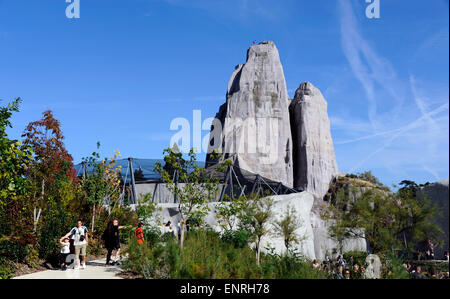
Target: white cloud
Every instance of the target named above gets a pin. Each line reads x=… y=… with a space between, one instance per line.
x=406 y=124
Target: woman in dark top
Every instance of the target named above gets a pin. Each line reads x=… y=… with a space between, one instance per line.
x=112 y=240
x=108 y=239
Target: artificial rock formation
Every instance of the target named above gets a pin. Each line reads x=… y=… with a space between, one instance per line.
x=313 y=151
x=314 y=239
x=254 y=124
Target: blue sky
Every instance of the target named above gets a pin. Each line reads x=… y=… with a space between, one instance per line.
x=124 y=70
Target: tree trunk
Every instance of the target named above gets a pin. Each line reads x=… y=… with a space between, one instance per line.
x=183 y=225
x=36 y=218
x=257 y=253
x=93 y=220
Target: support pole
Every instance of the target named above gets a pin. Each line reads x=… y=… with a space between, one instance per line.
x=277 y=191
x=222 y=193
x=175 y=177
x=133 y=183
x=255 y=183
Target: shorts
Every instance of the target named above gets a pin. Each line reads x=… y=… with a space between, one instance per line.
x=80 y=250
x=63 y=259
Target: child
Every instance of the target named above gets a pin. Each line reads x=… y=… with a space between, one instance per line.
x=65 y=251
x=139 y=234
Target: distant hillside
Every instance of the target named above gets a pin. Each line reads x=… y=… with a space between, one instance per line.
x=439 y=195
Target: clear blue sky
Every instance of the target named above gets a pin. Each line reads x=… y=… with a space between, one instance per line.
x=123 y=71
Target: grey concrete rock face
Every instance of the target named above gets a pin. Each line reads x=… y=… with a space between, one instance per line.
x=324 y=244
x=313 y=231
x=255 y=119
x=373 y=270
x=315 y=163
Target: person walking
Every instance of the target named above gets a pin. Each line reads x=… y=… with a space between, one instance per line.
x=116 y=240
x=80 y=236
x=139 y=233
x=108 y=241
x=65 y=251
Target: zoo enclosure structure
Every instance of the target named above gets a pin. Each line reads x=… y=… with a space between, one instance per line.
x=138 y=178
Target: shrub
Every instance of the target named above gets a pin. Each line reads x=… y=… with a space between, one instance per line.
x=239 y=238
x=290 y=266
x=32 y=257
x=6 y=271
x=12 y=250
x=395 y=268
x=359 y=257
x=145 y=261
x=206 y=255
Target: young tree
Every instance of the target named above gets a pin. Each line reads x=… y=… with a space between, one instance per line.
x=52 y=165
x=15 y=160
x=286 y=226
x=256 y=213
x=190 y=184
x=382 y=218
x=227 y=212
x=101 y=187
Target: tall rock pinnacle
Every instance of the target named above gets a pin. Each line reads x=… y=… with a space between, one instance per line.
x=255 y=118
x=313 y=151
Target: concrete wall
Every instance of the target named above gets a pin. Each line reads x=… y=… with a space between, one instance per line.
x=160 y=193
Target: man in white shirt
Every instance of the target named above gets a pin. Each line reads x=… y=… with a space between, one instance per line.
x=80 y=236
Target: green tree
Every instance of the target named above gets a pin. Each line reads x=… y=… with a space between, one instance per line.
x=51 y=172
x=16 y=225
x=190 y=184
x=102 y=186
x=256 y=213
x=227 y=212
x=286 y=226
x=382 y=218
x=15 y=159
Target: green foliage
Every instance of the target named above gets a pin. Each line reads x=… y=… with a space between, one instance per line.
x=384 y=218
x=239 y=238
x=13 y=249
x=15 y=159
x=227 y=211
x=197 y=190
x=359 y=257
x=286 y=226
x=145 y=209
x=6 y=269
x=57 y=220
x=395 y=268
x=256 y=213
x=290 y=266
x=207 y=256
x=145 y=260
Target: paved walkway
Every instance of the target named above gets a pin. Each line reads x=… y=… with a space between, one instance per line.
x=94 y=270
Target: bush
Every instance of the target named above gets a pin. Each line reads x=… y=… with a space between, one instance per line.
x=32 y=257
x=56 y=222
x=359 y=257
x=240 y=238
x=12 y=250
x=206 y=255
x=290 y=266
x=145 y=261
x=152 y=235
x=395 y=268
x=6 y=271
